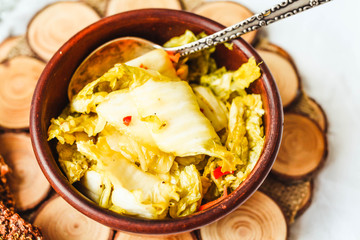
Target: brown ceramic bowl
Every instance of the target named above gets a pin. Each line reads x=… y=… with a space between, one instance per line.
x=157 y=25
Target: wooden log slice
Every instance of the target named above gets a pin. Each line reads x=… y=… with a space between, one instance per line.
x=98 y=5
x=293 y=198
x=22 y=48
x=285 y=74
x=55 y=24
x=118 y=6
x=303 y=149
x=60 y=221
x=307 y=199
x=227 y=13
x=264 y=44
x=18 y=78
x=7 y=45
x=26 y=180
x=319 y=112
x=189 y=5
x=308 y=106
x=126 y=236
x=258 y=218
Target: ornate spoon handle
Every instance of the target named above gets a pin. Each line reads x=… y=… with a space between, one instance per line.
x=278 y=12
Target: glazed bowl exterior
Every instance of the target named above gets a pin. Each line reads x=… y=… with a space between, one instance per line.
x=157 y=25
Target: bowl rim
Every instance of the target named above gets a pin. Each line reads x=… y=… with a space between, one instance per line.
x=164 y=226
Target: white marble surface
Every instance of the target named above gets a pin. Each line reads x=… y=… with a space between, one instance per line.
x=325 y=44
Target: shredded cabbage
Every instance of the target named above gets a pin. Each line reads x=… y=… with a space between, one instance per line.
x=142 y=141
x=245 y=139
x=223 y=82
x=149 y=158
x=150 y=195
x=188 y=181
x=73 y=163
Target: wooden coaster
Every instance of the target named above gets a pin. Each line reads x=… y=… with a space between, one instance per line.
x=20 y=49
x=51 y=27
x=258 y=218
x=302 y=151
x=18 y=78
x=98 y=5
x=117 y=6
x=7 y=45
x=60 y=221
x=26 y=180
x=190 y=5
x=293 y=198
x=284 y=71
x=309 y=107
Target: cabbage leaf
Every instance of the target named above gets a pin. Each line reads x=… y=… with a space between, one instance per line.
x=214 y=109
x=150 y=159
x=255 y=130
x=156 y=60
x=237 y=141
x=245 y=139
x=71 y=128
x=72 y=162
x=185 y=134
x=196 y=159
x=183 y=39
x=223 y=82
x=188 y=181
x=135 y=192
x=119 y=77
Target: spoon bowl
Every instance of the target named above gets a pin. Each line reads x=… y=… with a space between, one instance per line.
x=104 y=57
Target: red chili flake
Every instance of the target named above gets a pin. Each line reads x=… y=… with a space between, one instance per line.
x=218 y=173
x=127 y=120
x=143 y=66
x=174 y=58
x=201 y=110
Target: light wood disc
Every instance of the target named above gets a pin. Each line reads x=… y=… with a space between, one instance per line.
x=309 y=107
x=18 y=78
x=284 y=74
x=118 y=6
x=257 y=219
x=55 y=24
x=307 y=198
x=320 y=114
x=60 y=221
x=302 y=149
x=7 y=45
x=26 y=181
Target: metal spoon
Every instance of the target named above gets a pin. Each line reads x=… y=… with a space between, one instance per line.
x=126 y=48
